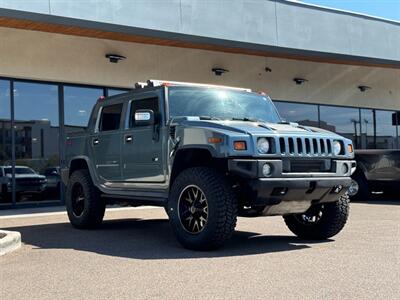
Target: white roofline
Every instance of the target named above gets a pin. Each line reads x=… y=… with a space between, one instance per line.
x=349 y=12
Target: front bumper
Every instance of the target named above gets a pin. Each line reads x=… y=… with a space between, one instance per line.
x=275 y=190
x=286 y=193
x=30 y=188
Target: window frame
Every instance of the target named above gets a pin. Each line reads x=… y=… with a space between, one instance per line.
x=157 y=115
x=100 y=115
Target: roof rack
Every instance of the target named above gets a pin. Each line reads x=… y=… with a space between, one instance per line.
x=156 y=82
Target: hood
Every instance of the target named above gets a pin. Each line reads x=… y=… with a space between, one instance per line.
x=30 y=176
x=259 y=128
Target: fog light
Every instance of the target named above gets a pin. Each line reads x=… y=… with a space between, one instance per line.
x=266 y=170
x=345 y=169
x=353 y=188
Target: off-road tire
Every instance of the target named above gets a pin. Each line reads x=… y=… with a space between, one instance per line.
x=334 y=217
x=94 y=205
x=364 y=193
x=222 y=208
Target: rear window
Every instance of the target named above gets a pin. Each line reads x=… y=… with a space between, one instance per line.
x=110 y=117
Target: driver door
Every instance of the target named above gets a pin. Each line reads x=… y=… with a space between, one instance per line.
x=142 y=153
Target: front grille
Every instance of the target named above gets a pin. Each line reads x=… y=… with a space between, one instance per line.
x=31 y=181
x=304 y=146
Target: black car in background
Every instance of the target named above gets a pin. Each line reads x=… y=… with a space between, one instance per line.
x=27 y=181
x=378 y=171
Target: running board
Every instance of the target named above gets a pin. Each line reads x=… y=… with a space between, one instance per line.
x=137 y=201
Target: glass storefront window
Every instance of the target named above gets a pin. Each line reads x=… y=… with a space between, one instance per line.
x=304 y=114
x=78 y=105
x=386 y=135
x=342 y=120
x=5 y=142
x=367 y=129
x=36 y=141
x=37 y=131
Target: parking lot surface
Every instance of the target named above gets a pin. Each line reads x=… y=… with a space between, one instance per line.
x=135 y=256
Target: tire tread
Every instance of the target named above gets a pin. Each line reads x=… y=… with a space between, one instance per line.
x=94 y=212
x=226 y=204
x=332 y=222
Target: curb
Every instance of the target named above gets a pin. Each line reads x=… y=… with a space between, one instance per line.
x=9 y=241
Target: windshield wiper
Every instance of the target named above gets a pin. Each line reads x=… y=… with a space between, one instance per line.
x=209 y=118
x=247 y=119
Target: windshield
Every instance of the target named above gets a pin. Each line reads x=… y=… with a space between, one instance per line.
x=19 y=170
x=221 y=104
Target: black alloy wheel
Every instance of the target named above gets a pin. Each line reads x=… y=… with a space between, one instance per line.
x=193 y=209
x=78 y=199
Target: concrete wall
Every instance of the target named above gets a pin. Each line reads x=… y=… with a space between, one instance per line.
x=55 y=57
x=272 y=23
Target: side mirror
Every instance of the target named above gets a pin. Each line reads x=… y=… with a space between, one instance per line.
x=144 y=117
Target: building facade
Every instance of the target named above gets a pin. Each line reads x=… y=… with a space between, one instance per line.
x=322 y=67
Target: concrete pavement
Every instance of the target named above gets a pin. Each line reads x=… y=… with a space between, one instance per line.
x=135 y=256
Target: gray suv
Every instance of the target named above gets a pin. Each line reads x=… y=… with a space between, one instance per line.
x=208 y=154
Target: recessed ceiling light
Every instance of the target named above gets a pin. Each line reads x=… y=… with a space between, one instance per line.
x=219 y=71
x=300 y=81
x=114 y=58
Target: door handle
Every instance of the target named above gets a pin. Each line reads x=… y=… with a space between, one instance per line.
x=128 y=139
x=95 y=142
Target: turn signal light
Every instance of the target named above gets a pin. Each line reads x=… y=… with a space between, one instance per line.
x=350 y=148
x=214 y=140
x=240 y=145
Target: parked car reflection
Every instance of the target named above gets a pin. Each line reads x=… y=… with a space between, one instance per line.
x=27 y=181
x=53 y=181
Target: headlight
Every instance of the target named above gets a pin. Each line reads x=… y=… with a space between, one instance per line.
x=337 y=147
x=262 y=145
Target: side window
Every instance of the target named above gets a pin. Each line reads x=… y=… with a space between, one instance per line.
x=149 y=103
x=110 y=117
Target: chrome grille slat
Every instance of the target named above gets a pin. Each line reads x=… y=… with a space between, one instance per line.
x=286 y=145
x=303 y=146
x=325 y=146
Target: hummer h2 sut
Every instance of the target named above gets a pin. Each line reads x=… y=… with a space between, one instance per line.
x=207 y=154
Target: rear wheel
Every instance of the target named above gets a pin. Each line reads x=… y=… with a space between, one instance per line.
x=202 y=208
x=320 y=221
x=363 y=191
x=84 y=206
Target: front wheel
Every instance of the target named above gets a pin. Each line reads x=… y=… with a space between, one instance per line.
x=202 y=208
x=84 y=206
x=320 y=221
